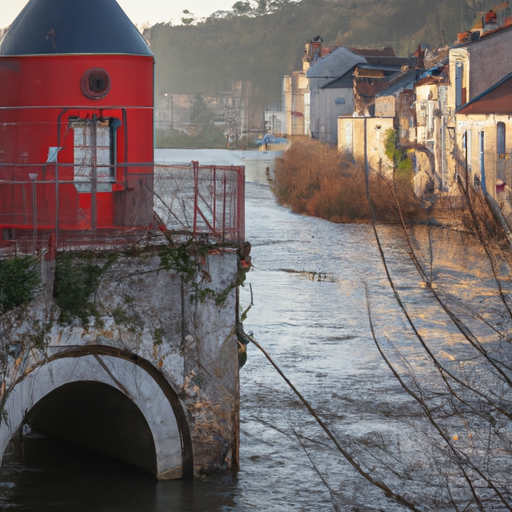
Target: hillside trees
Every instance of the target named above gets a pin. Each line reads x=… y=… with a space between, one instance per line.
x=260 y=41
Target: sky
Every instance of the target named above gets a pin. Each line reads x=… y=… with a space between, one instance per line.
x=139 y=11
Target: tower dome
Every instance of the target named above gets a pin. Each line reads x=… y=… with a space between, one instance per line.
x=73 y=27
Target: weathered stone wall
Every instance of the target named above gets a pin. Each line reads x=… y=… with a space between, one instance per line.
x=171 y=312
x=351 y=138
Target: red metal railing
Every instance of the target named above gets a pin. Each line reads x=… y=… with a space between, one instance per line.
x=202 y=200
x=195 y=200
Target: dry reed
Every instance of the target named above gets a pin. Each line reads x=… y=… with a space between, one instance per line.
x=314 y=178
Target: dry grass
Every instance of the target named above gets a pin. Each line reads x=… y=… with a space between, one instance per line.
x=314 y=178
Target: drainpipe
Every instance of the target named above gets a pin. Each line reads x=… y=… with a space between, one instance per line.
x=466 y=157
x=366 y=163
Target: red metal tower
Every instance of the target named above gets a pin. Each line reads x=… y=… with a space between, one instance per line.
x=76 y=121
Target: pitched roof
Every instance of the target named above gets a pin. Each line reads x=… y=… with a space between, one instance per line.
x=403 y=81
x=336 y=64
x=367 y=52
x=495 y=100
x=73 y=26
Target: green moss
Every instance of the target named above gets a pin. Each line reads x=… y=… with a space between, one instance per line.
x=201 y=294
x=222 y=296
x=77 y=278
x=403 y=164
x=157 y=337
x=19 y=278
x=133 y=322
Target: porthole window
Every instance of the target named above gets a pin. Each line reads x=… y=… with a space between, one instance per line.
x=95 y=83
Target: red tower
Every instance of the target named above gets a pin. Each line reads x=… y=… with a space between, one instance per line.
x=76 y=121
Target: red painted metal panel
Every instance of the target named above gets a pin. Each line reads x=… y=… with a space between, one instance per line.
x=39 y=98
x=56 y=80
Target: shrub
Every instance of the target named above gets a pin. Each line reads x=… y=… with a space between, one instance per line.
x=404 y=169
x=76 y=280
x=19 y=279
x=315 y=178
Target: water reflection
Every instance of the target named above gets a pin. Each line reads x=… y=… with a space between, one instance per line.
x=54 y=476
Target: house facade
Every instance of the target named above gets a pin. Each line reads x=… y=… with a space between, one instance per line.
x=451 y=116
x=484 y=138
x=331 y=92
x=467 y=71
x=366 y=135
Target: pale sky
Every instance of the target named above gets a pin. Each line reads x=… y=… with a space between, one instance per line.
x=139 y=11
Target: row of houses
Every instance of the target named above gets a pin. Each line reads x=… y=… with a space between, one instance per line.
x=451 y=109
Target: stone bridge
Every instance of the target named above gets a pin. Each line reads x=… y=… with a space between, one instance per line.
x=132 y=354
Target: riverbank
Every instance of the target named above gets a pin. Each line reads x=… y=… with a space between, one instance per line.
x=316 y=179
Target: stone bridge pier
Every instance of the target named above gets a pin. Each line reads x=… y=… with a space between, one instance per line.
x=133 y=355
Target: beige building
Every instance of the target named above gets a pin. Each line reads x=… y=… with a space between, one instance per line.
x=473 y=68
x=484 y=138
x=351 y=139
x=296 y=91
x=468 y=70
x=296 y=103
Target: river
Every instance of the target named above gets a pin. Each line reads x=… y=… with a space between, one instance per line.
x=310 y=282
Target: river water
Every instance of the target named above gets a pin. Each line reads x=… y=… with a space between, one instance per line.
x=310 y=282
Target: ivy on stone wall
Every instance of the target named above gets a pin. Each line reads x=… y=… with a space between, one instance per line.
x=19 y=278
x=402 y=162
x=179 y=257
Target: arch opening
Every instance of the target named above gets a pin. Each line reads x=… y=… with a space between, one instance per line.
x=98 y=417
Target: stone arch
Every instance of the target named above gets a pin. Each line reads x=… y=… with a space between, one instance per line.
x=129 y=382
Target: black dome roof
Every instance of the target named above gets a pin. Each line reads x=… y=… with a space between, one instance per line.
x=73 y=26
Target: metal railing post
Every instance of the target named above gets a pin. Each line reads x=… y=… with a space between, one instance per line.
x=241 y=203
x=94 y=172
x=33 y=178
x=224 y=205
x=196 y=195
x=214 y=196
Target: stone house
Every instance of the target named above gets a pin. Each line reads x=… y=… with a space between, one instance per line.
x=296 y=94
x=431 y=141
x=379 y=73
x=484 y=140
x=346 y=82
x=331 y=92
x=357 y=135
x=296 y=103
x=476 y=69
x=466 y=71
x=382 y=91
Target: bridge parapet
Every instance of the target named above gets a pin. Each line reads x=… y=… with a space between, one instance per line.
x=155 y=325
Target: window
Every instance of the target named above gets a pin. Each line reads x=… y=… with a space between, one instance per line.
x=468 y=149
x=95 y=83
x=500 y=142
x=482 y=160
x=94 y=137
x=460 y=91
